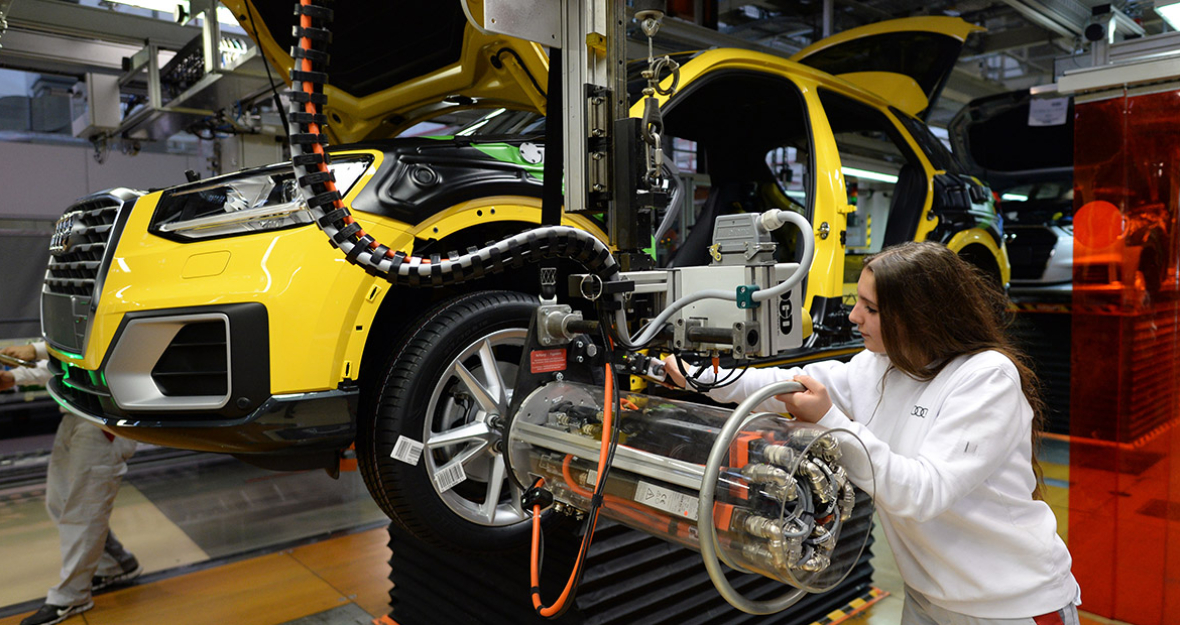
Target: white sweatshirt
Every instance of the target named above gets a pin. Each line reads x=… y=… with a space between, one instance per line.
x=951 y=458
x=34 y=376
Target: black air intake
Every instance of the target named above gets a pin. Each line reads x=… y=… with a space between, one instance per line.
x=195 y=362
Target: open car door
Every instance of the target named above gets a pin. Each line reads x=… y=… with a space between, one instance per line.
x=906 y=61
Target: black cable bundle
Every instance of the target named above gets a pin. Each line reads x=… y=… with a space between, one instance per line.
x=317 y=183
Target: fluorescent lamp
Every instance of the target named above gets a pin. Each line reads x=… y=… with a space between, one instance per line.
x=163 y=6
x=1014 y=197
x=1169 y=10
x=224 y=15
x=869 y=175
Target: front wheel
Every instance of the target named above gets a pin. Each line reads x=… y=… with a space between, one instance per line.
x=443 y=388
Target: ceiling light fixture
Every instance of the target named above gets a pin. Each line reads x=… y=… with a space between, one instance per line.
x=178 y=8
x=1169 y=10
x=865 y=174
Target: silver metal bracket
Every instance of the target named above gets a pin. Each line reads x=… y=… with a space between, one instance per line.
x=553 y=324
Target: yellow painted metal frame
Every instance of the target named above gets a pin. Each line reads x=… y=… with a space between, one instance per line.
x=829 y=200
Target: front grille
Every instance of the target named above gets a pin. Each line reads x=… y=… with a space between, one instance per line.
x=79 y=254
x=1029 y=249
x=195 y=362
x=76 y=386
x=79 y=244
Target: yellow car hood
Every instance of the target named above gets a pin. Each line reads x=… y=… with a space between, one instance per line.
x=394 y=64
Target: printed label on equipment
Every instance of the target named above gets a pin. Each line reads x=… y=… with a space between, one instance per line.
x=447 y=477
x=407 y=450
x=786 y=313
x=667 y=500
x=592 y=477
x=1048 y=111
x=547 y=360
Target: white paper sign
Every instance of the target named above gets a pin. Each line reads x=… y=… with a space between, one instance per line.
x=1048 y=111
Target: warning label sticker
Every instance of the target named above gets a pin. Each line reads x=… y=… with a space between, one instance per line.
x=547 y=360
x=667 y=500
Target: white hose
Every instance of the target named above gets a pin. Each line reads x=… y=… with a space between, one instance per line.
x=776 y=216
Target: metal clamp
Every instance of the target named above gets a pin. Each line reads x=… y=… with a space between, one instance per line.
x=745 y=296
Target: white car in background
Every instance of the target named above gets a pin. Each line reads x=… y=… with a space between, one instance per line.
x=1038 y=232
x=1030 y=168
x=1026 y=156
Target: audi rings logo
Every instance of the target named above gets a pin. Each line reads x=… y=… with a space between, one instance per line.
x=919 y=411
x=62 y=231
x=786 y=313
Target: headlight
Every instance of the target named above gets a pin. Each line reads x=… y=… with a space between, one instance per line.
x=261 y=200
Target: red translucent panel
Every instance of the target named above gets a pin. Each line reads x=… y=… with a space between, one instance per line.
x=1124 y=517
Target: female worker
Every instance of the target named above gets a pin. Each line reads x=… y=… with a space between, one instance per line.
x=947 y=411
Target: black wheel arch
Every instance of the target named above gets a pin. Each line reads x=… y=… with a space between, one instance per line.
x=983 y=259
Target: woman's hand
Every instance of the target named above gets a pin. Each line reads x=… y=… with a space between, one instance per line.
x=809 y=405
x=672 y=371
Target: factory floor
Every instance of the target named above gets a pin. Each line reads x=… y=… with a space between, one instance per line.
x=222 y=541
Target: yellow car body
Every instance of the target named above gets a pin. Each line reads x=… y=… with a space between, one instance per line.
x=316 y=330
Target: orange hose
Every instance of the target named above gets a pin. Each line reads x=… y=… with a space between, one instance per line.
x=534 y=566
x=621 y=506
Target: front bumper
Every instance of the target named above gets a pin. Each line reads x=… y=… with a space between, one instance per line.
x=319 y=421
x=199 y=378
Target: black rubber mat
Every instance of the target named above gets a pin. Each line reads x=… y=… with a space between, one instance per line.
x=631 y=577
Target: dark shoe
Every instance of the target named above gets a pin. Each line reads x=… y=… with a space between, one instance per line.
x=50 y=614
x=131 y=570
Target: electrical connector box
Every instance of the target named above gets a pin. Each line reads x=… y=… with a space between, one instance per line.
x=102 y=106
x=738 y=240
x=770 y=328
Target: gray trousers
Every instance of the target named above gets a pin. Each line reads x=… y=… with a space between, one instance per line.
x=85 y=470
x=919 y=611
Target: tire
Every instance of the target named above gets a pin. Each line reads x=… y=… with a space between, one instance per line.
x=423 y=398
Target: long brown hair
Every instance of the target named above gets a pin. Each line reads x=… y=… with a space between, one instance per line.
x=935 y=306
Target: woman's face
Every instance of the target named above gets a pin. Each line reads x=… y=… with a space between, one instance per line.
x=865 y=314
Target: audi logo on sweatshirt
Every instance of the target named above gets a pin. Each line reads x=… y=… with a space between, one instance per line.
x=919 y=411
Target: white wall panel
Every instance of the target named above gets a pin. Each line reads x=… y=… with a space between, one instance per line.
x=40 y=181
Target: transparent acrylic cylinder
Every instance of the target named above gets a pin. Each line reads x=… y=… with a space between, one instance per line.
x=781 y=503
